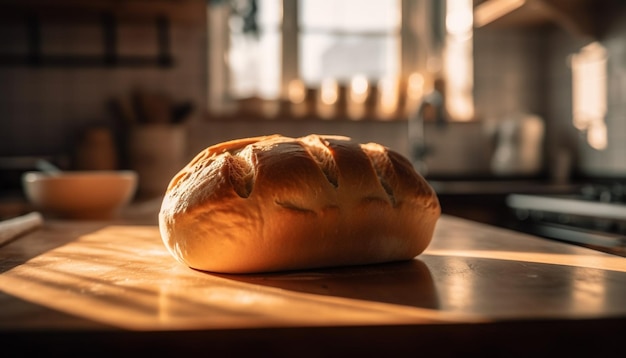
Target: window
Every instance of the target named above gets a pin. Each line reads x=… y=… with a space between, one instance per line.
x=255 y=48
x=348 y=39
x=374 y=57
x=589 y=93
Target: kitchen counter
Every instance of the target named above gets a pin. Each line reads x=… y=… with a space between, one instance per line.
x=103 y=288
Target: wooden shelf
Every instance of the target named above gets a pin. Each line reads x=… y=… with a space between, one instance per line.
x=191 y=12
x=109 y=15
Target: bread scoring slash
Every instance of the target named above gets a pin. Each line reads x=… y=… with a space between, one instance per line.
x=275 y=203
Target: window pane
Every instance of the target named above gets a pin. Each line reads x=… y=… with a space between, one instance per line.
x=255 y=65
x=343 y=57
x=350 y=15
x=270 y=12
x=255 y=47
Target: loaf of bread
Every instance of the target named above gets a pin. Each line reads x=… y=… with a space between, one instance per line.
x=275 y=203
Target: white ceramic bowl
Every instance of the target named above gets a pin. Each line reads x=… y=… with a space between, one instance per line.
x=96 y=195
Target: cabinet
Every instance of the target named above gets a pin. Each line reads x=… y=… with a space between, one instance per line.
x=578 y=17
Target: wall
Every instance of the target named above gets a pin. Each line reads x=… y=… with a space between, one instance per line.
x=509 y=72
x=43 y=109
x=509 y=95
x=608 y=163
x=459 y=150
x=509 y=79
x=515 y=71
x=528 y=69
x=612 y=162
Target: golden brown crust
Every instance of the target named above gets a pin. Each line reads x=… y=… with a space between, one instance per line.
x=277 y=203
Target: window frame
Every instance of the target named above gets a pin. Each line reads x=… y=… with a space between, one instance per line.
x=421 y=42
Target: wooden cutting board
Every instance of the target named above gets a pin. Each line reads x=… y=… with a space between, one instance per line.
x=123 y=276
x=120 y=275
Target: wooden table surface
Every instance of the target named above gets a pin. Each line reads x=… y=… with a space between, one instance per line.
x=112 y=286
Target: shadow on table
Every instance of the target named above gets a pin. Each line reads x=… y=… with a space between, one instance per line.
x=407 y=283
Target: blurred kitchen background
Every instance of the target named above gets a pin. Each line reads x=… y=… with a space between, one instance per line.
x=488 y=97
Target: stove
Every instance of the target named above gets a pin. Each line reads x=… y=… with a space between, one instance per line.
x=594 y=217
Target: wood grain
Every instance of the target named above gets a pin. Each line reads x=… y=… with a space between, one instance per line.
x=120 y=275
